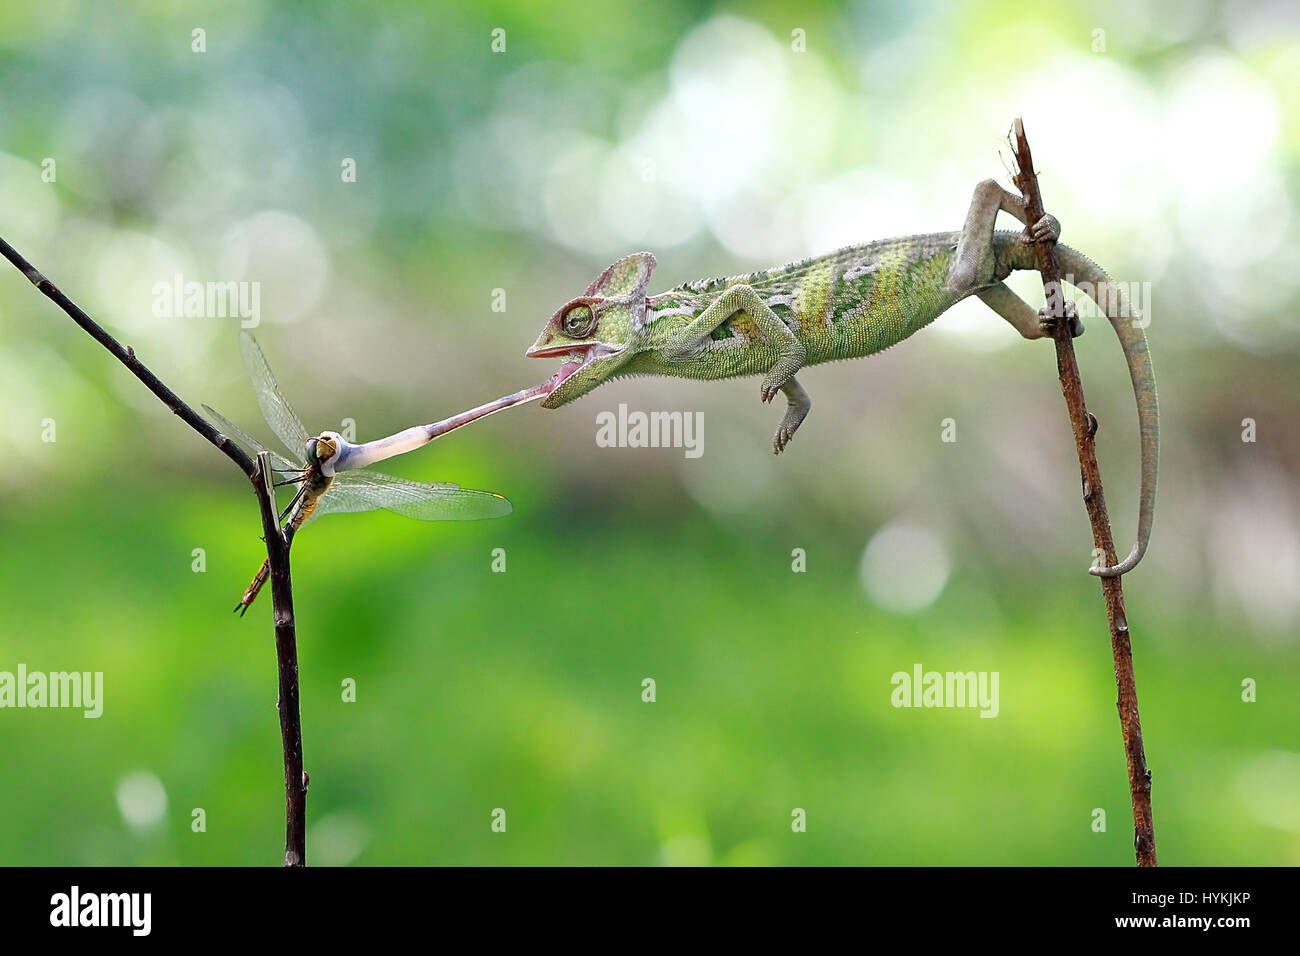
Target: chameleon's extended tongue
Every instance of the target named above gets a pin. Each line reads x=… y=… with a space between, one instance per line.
x=464 y=418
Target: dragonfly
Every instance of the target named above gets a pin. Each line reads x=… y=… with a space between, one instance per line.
x=331 y=472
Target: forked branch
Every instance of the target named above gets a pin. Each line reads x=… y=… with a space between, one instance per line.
x=277 y=551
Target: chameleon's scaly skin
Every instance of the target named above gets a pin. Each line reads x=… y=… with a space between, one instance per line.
x=851 y=303
x=854 y=302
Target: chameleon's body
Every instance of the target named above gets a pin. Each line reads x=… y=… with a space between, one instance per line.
x=851 y=303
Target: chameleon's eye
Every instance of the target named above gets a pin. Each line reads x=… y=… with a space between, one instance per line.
x=578 y=322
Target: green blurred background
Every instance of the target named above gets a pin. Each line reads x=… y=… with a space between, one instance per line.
x=1169 y=146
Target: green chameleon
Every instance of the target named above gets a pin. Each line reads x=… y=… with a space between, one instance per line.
x=854 y=302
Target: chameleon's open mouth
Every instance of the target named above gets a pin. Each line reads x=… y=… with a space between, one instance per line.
x=575 y=358
x=585 y=365
x=570 y=366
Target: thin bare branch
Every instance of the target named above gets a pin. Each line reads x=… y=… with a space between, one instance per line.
x=286 y=650
x=1085 y=430
x=126 y=355
x=277 y=551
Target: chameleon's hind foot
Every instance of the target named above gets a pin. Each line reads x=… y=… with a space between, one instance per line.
x=1047 y=321
x=795 y=412
x=1047 y=229
x=784 y=432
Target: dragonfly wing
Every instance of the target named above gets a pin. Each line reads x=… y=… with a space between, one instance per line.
x=343 y=498
x=424 y=500
x=288 y=427
x=239 y=435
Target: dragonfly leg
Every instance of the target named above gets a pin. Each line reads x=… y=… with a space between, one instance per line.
x=289 y=506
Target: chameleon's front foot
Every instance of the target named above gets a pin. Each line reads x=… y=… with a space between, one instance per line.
x=1047 y=229
x=1047 y=321
x=795 y=412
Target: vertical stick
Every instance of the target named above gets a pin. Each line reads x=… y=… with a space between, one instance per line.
x=286 y=650
x=1085 y=428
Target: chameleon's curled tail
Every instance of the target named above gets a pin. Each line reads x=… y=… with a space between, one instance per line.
x=1080 y=271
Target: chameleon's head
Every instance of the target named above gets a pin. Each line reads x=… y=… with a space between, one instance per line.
x=598 y=332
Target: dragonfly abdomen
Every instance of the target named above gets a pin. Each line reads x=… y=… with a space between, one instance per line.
x=250 y=594
x=305 y=508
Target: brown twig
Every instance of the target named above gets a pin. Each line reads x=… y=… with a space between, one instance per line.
x=277 y=550
x=1085 y=429
x=286 y=649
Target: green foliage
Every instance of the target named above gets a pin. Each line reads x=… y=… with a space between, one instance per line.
x=522 y=690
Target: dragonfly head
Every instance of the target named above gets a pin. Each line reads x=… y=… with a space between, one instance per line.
x=323 y=451
x=598 y=332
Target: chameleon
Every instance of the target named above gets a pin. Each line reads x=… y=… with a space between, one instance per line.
x=850 y=303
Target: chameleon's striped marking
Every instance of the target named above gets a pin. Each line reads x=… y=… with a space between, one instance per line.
x=813 y=296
